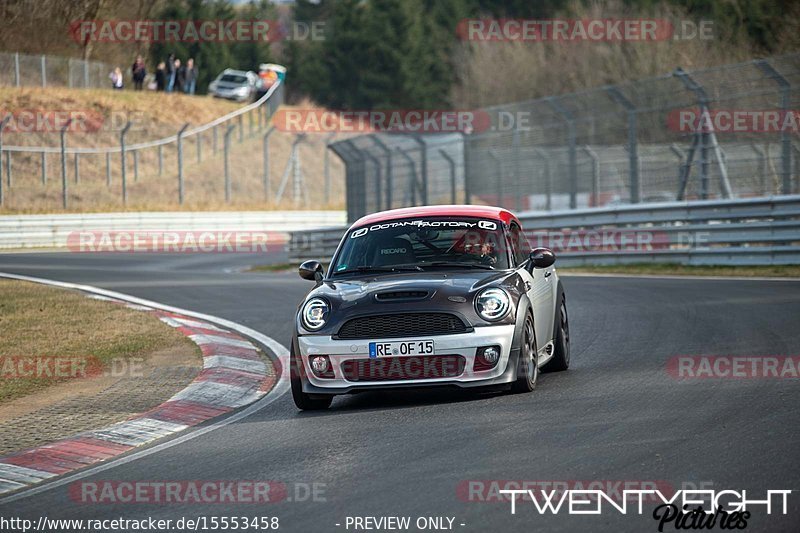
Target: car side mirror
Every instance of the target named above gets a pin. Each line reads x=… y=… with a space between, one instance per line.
x=311 y=270
x=542 y=257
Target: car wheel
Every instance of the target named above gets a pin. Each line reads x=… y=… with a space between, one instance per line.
x=560 y=360
x=301 y=399
x=528 y=373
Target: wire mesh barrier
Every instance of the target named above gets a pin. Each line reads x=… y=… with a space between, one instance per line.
x=23 y=70
x=724 y=132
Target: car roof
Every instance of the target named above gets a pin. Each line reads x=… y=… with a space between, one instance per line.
x=477 y=211
x=235 y=72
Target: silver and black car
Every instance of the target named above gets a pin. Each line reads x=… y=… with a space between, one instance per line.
x=429 y=296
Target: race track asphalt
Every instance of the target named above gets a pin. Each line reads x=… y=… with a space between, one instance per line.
x=616 y=415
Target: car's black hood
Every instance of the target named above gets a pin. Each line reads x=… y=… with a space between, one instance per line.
x=441 y=290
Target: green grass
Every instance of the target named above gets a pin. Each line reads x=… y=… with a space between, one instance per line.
x=45 y=323
x=280 y=267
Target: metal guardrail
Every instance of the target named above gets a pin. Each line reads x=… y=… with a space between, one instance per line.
x=37 y=231
x=761 y=231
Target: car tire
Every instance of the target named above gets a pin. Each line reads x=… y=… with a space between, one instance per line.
x=528 y=364
x=561 y=354
x=303 y=400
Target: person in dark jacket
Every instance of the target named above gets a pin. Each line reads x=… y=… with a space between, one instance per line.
x=161 y=77
x=180 y=75
x=138 y=72
x=170 y=72
x=189 y=77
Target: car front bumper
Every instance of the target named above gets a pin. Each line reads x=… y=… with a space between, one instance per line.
x=463 y=344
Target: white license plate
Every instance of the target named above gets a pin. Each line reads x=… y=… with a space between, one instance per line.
x=390 y=349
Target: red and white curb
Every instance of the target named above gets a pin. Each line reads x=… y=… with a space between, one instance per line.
x=234 y=375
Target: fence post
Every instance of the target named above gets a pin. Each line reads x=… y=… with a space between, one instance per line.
x=573 y=156
x=64 y=163
x=389 y=168
x=423 y=166
x=85 y=74
x=9 y=181
x=451 y=162
x=44 y=71
x=595 y=174
x=122 y=161
x=378 y=177
x=2 y=127
x=227 y=170
x=136 y=165
x=500 y=176
x=786 y=141
x=633 y=145
x=266 y=162
x=69 y=72
x=199 y=145
x=326 y=170
x=681 y=160
x=17 y=81
x=464 y=151
x=44 y=168
x=413 y=188
x=241 y=129
x=515 y=142
x=108 y=169
x=180 y=162
x=548 y=182
x=77 y=168
x=250 y=123
x=762 y=168
x=707 y=134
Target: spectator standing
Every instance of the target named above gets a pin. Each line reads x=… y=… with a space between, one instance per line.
x=179 y=76
x=138 y=71
x=189 y=77
x=116 y=79
x=161 y=76
x=170 y=72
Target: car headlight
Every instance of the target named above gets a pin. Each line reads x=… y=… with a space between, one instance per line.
x=241 y=90
x=315 y=314
x=492 y=303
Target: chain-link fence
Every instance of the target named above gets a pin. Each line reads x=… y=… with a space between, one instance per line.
x=22 y=70
x=724 y=132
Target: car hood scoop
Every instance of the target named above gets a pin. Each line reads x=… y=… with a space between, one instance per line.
x=401 y=295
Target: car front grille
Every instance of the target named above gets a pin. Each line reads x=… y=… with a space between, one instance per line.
x=404 y=368
x=401 y=325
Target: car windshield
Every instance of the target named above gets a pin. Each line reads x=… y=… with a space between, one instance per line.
x=233 y=78
x=423 y=243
